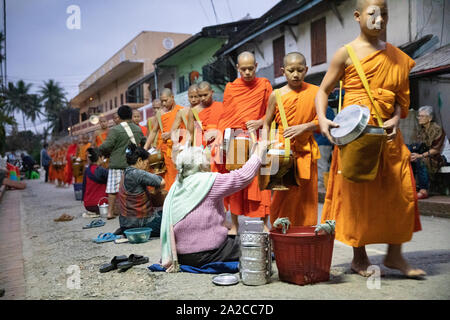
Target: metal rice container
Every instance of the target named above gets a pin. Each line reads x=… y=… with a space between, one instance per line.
x=254 y=239
x=255 y=263
x=352 y=122
x=255 y=278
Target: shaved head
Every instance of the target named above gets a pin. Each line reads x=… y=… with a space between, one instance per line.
x=166 y=92
x=193 y=87
x=363 y=4
x=294 y=57
x=246 y=57
x=204 y=85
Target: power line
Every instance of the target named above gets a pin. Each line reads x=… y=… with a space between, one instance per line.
x=214 y=9
x=229 y=9
x=204 y=11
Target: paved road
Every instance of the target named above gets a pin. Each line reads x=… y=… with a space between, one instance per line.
x=54 y=253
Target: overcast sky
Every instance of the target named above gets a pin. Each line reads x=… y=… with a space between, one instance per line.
x=40 y=46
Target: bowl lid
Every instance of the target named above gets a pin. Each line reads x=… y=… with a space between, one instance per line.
x=350 y=119
x=225 y=279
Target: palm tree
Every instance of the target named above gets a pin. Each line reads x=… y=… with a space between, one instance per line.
x=35 y=112
x=54 y=100
x=18 y=99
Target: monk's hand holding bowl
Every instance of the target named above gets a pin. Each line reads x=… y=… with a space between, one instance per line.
x=391 y=126
x=415 y=156
x=165 y=136
x=325 y=126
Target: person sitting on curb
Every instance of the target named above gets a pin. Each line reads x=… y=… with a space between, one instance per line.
x=426 y=158
x=194 y=207
x=94 y=184
x=138 y=206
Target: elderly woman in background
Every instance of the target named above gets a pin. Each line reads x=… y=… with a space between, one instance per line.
x=426 y=155
x=194 y=207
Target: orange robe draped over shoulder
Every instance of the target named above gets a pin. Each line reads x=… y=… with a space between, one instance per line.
x=100 y=138
x=209 y=119
x=299 y=203
x=383 y=210
x=167 y=120
x=242 y=102
x=82 y=151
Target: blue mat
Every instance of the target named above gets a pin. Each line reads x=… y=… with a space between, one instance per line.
x=213 y=268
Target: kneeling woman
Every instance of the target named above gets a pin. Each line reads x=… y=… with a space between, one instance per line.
x=137 y=208
x=194 y=207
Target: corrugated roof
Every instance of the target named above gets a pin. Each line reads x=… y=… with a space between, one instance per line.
x=436 y=61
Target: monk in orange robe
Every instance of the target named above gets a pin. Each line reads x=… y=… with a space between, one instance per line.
x=167 y=116
x=244 y=106
x=299 y=203
x=383 y=210
x=180 y=124
x=202 y=122
x=82 y=154
x=101 y=134
x=51 y=169
x=70 y=154
x=156 y=106
x=59 y=164
x=137 y=118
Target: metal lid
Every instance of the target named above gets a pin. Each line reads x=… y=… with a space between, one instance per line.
x=352 y=121
x=225 y=279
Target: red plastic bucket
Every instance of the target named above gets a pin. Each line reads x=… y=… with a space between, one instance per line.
x=301 y=256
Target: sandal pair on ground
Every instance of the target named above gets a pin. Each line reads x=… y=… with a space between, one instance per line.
x=123 y=263
x=95 y=224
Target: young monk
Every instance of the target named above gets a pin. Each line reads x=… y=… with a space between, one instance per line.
x=383 y=210
x=70 y=155
x=156 y=106
x=82 y=154
x=137 y=118
x=300 y=203
x=205 y=131
x=101 y=134
x=168 y=114
x=244 y=106
x=181 y=119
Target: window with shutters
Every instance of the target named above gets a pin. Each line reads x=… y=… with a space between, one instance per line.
x=318 y=42
x=278 y=56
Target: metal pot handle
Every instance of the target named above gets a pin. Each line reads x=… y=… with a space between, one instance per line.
x=98 y=203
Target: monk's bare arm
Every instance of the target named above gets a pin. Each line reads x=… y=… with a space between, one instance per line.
x=190 y=125
x=392 y=124
x=270 y=114
x=333 y=75
x=152 y=133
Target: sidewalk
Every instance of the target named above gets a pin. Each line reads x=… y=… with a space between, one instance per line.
x=11 y=263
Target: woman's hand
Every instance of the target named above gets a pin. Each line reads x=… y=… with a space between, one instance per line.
x=415 y=156
x=260 y=148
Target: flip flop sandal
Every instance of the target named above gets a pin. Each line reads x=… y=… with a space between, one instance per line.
x=95 y=224
x=124 y=266
x=137 y=259
x=105 y=237
x=113 y=265
x=90 y=215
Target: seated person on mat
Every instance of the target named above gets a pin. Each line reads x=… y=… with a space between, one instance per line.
x=194 y=206
x=137 y=209
x=94 y=184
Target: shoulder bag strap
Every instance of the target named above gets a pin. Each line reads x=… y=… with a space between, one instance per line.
x=287 y=142
x=128 y=131
x=363 y=78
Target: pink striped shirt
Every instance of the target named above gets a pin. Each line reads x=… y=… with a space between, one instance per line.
x=202 y=229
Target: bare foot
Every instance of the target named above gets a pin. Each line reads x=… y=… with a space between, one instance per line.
x=360 y=267
x=403 y=266
x=232 y=231
x=110 y=217
x=266 y=229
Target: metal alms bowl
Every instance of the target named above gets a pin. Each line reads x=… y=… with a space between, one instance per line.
x=352 y=121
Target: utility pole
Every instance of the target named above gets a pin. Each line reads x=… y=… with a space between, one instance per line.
x=4 y=37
